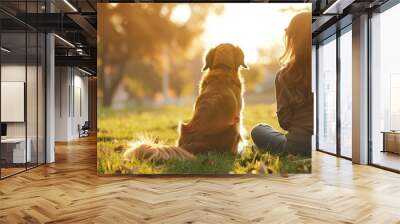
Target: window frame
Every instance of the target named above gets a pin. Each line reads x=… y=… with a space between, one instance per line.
x=333 y=37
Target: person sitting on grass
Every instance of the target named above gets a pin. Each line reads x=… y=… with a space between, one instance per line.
x=294 y=98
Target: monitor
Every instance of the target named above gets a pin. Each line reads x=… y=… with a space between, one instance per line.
x=3 y=129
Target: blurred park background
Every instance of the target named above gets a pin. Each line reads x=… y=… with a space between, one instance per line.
x=151 y=54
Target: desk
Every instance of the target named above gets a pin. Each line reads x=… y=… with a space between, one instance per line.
x=13 y=150
x=391 y=141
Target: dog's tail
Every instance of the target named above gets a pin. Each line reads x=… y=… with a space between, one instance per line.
x=156 y=152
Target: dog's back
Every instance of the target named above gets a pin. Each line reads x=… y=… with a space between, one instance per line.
x=216 y=121
x=215 y=125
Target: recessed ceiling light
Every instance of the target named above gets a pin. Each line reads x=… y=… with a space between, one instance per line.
x=70 y=5
x=65 y=41
x=84 y=71
x=338 y=6
x=5 y=50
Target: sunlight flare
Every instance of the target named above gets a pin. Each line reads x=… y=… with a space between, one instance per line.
x=256 y=27
x=181 y=14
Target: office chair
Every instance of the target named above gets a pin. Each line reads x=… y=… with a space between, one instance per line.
x=84 y=130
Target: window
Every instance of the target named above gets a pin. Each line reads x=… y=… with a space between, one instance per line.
x=346 y=93
x=394 y=102
x=327 y=96
x=385 y=87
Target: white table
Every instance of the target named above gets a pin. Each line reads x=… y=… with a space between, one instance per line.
x=19 y=155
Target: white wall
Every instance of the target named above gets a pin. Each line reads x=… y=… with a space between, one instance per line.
x=71 y=94
x=80 y=115
x=16 y=73
x=61 y=114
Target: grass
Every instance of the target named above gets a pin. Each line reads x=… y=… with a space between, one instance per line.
x=119 y=127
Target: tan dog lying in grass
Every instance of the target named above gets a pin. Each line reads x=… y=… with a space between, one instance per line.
x=217 y=117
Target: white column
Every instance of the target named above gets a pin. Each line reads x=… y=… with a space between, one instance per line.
x=360 y=89
x=50 y=100
x=50 y=92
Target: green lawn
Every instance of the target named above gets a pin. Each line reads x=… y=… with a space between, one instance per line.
x=117 y=128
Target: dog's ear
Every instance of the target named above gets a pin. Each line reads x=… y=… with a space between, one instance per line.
x=209 y=59
x=239 y=58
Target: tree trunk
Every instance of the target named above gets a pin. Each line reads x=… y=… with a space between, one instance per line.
x=107 y=100
x=109 y=89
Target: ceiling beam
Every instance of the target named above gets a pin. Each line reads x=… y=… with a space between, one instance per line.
x=84 y=24
x=321 y=22
x=337 y=7
x=78 y=61
x=49 y=22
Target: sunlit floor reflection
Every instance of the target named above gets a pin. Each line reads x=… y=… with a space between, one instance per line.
x=387 y=159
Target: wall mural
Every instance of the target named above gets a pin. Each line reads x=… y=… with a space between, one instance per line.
x=204 y=88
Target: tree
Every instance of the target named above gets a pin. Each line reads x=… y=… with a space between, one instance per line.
x=136 y=35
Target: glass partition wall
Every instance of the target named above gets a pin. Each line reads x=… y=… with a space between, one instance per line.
x=14 y=153
x=22 y=78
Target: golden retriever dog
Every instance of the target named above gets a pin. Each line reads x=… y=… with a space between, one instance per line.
x=217 y=115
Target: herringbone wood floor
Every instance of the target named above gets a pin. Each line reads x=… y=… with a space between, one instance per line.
x=70 y=191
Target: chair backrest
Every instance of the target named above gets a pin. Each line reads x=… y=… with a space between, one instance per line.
x=86 y=124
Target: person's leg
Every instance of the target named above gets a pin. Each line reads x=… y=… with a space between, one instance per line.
x=267 y=138
x=298 y=148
